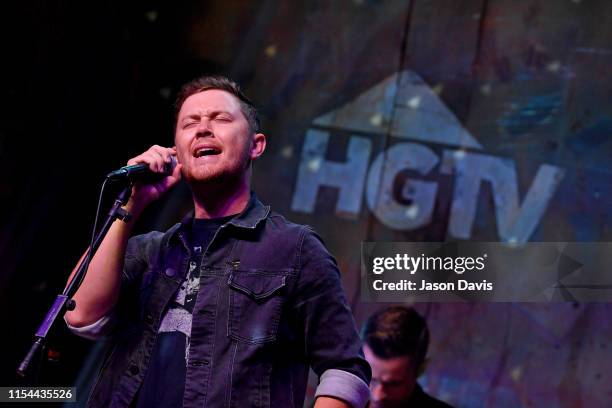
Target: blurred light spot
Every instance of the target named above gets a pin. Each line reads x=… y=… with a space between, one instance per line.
x=151 y=15
x=314 y=165
x=287 y=152
x=414 y=102
x=530 y=112
x=485 y=89
x=512 y=242
x=554 y=66
x=271 y=51
x=576 y=1
x=165 y=92
x=516 y=373
x=40 y=286
x=376 y=119
x=412 y=211
x=476 y=16
x=459 y=154
x=438 y=88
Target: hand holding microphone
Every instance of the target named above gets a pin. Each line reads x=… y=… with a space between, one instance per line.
x=142 y=172
x=153 y=172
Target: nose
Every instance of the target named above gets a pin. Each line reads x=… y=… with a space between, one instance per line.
x=204 y=128
x=377 y=392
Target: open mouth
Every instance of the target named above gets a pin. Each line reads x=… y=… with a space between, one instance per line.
x=207 y=151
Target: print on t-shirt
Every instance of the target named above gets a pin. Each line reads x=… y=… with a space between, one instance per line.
x=179 y=314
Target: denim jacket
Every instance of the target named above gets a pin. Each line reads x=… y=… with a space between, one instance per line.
x=269 y=306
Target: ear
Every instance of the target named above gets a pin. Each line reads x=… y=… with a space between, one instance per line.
x=258 y=145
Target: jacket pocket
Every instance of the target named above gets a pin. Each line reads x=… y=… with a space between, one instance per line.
x=256 y=300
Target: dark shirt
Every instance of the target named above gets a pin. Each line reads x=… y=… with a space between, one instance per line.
x=419 y=399
x=164 y=382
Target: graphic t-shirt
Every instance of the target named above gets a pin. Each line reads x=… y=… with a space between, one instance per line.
x=164 y=382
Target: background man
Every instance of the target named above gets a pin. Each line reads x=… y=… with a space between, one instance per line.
x=232 y=305
x=395 y=344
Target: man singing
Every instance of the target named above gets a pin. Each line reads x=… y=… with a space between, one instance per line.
x=231 y=306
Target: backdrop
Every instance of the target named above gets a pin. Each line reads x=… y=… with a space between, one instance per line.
x=486 y=120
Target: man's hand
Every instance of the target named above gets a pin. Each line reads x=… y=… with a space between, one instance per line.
x=156 y=157
x=328 y=402
x=99 y=291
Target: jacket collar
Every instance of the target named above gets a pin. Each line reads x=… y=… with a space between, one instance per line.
x=249 y=218
x=253 y=213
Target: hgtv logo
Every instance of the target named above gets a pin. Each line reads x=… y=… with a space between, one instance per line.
x=407 y=109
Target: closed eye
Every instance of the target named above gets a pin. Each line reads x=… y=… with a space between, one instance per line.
x=392 y=384
x=190 y=121
x=221 y=116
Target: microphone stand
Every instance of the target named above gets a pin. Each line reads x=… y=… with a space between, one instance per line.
x=64 y=302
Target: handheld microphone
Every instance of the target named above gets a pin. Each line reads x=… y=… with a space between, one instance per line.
x=142 y=172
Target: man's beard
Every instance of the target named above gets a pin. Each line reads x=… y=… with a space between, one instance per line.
x=206 y=177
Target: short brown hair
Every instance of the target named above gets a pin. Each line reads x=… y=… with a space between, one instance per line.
x=397 y=331
x=225 y=84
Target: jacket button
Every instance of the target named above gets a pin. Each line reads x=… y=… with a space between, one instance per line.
x=170 y=272
x=134 y=369
x=148 y=319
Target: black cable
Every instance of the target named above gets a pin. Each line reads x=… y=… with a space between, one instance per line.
x=87 y=260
